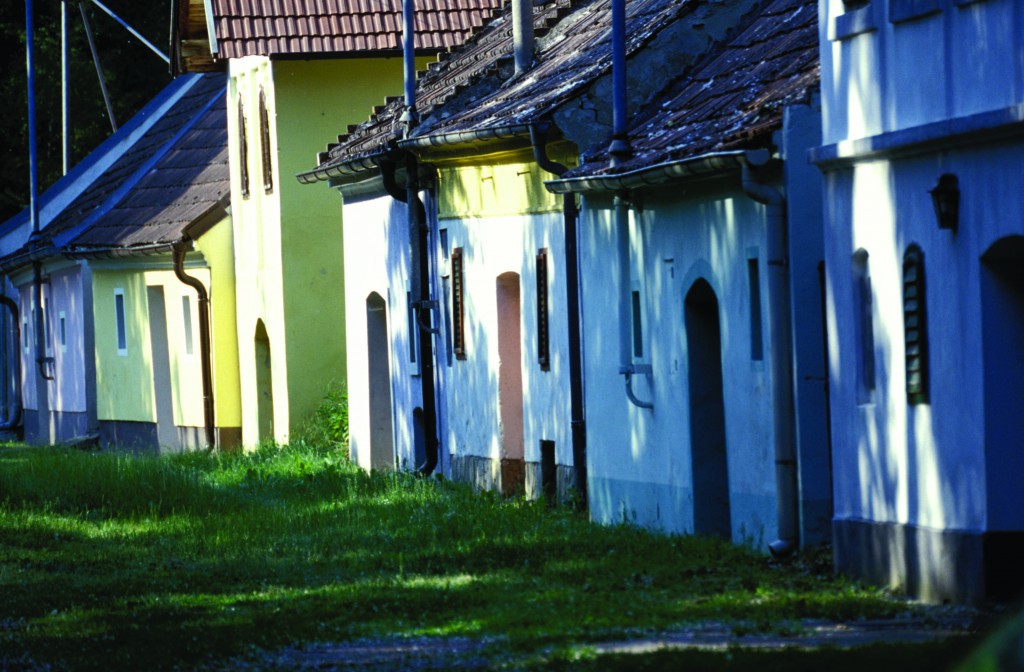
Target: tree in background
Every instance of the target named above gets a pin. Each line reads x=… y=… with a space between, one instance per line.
x=134 y=75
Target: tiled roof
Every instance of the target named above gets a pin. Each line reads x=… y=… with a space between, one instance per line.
x=733 y=97
x=105 y=190
x=267 y=27
x=471 y=89
x=191 y=180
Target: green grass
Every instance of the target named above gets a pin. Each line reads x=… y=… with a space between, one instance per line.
x=112 y=561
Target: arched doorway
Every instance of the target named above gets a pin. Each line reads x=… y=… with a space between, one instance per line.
x=510 y=384
x=1002 y=323
x=711 y=514
x=264 y=385
x=382 y=455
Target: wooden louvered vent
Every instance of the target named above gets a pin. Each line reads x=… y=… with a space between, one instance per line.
x=458 y=305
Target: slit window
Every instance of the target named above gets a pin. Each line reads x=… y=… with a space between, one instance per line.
x=638 y=331
x=543 y=338
x=414 y=334
x=119 y=322
x=25 y=332
x=47 y=329
x=458 y=305
x=62 y=331
x=864 y=327
x=243 y=152
x=268 y=170
x=186 y=317
x=756 y=328
x=915 y=326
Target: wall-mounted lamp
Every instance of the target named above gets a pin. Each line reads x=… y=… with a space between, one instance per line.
x=946 y=198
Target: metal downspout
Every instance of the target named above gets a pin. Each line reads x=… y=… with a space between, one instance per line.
x=204 y=341
x=419 y=257
x=577 y=410
x=422 y=305
x=781 y=356
x=619 y=149
x=626 y=366
x=12 y=305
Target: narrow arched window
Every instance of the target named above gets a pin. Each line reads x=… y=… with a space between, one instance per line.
x=915 y=325
x=268 y=170
x=863 y=306
x=243 y=152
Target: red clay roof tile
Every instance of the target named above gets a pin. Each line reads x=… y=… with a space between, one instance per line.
x=340 y=25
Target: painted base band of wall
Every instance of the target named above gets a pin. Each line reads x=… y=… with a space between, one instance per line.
x=64 y=427
x=143 y=437
x=229 y=438
x=932 y=565
x=520 y=477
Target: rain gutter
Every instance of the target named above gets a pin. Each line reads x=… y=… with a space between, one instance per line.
x=647 y=176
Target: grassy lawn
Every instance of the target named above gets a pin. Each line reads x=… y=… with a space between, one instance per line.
x=118 y=562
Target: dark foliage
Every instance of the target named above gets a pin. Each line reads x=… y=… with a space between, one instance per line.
x=134 y=74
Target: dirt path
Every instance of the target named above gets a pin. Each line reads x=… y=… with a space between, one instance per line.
x=473 y=654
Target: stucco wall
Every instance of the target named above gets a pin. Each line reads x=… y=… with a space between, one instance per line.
x=881 y=74
x=895 y=462
x=217 y=247
x=124 y=382
x=376 y=261
x=289 y=243
x=62 y=294
x=639 y=462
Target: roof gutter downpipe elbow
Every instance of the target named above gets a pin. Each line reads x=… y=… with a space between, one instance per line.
x=577 y=410
x=206 y=362
x=780 y=349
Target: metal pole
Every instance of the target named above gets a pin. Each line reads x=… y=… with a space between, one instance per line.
x=65 y=82
x=619 y=148
x=99 y=67
x=33 y=166
x=131 y=30
x=409 y=116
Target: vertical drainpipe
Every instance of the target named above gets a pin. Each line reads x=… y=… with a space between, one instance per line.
x=42 y=391
x=419 y=257
x=522 y=34
x=577 y=417
x=205 y=358
x=780 y=340
x=620 y=150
